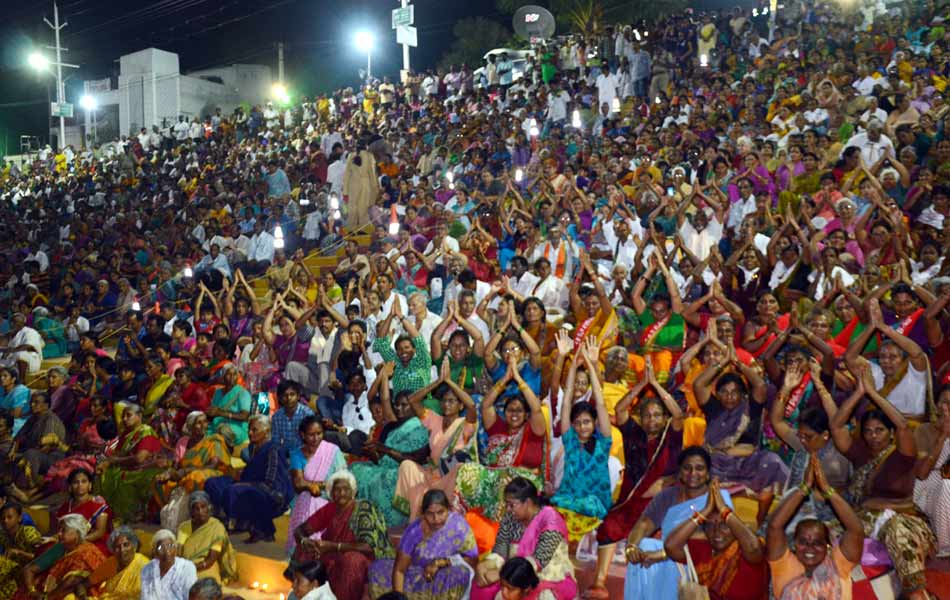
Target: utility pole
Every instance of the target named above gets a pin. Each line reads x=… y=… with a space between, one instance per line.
x=280 y=62
x=60 y=86
x=405 y=48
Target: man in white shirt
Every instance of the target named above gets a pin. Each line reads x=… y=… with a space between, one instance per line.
x=558 y=99
x=745 y=205
x=550 y=289
x=607 y=89
x=385 y=285
x=25 y=348
x=701 y=234
x=181 y=130
x=874 y=111
x=621 y=245
x=260 y=253
x=872 y=143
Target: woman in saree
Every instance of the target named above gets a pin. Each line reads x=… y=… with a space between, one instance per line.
x=403 y=438
x=352 y=534
x=435 y=559
x=20 y=543
x=41 y=442
x=766 y=325
x=815 y=569
x=126 y=475
x=52 y=332
x=204 y=541
x=310 y=467
x=464 y=350
x=730 y=561
x=264 y=489
x=85 y=446
x=55 y=577
x=902 y=373
x=451 y=443
x=517 y=447
x=530 y=530
x=231 y=406
x=734 y=417
x=156 y=384
x=650 y=574
x=120 y=576
x=662 y=326
x=932 y=490
x=209 y=457
x=94 y=509
x=652 y=448
x=884 y=456
x=585 y=492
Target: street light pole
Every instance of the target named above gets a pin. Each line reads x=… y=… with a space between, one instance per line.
x=369 y=64
x=60 y=86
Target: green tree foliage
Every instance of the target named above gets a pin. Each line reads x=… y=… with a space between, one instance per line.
x=473 y=38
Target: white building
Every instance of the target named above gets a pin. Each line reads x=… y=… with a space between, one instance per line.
x=151 y=89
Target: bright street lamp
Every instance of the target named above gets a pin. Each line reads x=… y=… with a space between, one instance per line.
x=365 y=41
x=280 y=93
x=90 y=105
x=38 y=61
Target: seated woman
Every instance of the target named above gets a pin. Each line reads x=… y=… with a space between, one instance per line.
x=231 y=405
x=93 y=508
x=902 y=374
x=884 y=456
x=41 y=442
x=167 y=576
x=352 y=534
x=126 y=475
x=517 y=447
x=520 y=582
x=730 y=562
x=311 y=582
x=19 y=543
x=204 y=541
x=585 y=492
x=209 y=457
x=310 y=467
x=156 y=383
x=652 y=449
x=120 y=576
x=812 y=436
x=733 y=431
x=55 y=575
x=263 y=490
x=650 y=574
x=435 y=559
x=812 y=571
x=86 y=445
x=451 y=442
x=531 y=530
x=403 y=438
x=932 y=490
x=14 y=397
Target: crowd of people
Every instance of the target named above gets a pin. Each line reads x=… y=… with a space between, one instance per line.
x=675 y=291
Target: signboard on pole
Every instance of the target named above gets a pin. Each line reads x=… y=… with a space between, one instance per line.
x=404 y=16
x=61 y=109
x=407 y=35
x=97 y=86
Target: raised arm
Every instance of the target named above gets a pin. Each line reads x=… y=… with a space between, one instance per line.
x=904 y=437
x=591 y=351
x=839 y=422
x=536 y=422
x=785 y=432
x=851 y=543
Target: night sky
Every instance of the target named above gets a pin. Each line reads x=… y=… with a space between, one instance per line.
x=319 y=54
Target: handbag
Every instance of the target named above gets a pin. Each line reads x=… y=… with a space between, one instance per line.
x=689 y=586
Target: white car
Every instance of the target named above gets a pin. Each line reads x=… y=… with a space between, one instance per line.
x=519 y=58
